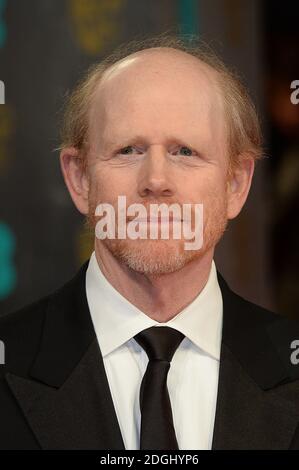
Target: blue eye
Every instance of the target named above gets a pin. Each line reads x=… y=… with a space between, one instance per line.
x=124 y=150
x=186 y=151
x=129 y=149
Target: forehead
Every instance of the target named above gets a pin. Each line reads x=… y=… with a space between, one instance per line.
x=157 y=93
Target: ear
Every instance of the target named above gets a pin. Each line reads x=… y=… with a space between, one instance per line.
x=238 y=186
x=75 y=177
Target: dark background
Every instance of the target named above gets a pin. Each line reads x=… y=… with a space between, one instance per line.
x=45 y=46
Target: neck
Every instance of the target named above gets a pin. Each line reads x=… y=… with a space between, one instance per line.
x=160 y=297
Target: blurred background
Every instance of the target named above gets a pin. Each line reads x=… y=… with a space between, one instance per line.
x=45 y=46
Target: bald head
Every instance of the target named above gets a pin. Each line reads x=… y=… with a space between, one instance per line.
x=160 y=95
x=155 y=57
x=168 y=69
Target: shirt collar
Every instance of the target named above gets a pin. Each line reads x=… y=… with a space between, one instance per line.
x=116 y=320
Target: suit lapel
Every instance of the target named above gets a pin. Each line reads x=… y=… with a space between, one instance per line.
x=248 y=417
x=67 y=400
x=250 y=413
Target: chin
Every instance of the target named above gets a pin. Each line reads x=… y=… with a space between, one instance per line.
x=153 y=257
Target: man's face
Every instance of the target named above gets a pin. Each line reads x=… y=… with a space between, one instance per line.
x=157 y=135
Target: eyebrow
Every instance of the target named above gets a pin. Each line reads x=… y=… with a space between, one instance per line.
x=140 y=138
x=122 y=141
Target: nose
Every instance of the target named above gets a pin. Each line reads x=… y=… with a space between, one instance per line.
x=154 y=179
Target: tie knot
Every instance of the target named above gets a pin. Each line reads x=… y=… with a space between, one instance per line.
x=159 y=342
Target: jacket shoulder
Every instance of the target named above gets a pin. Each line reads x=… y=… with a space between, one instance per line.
x=264 y=340
x=21 y=330
x=20 y=333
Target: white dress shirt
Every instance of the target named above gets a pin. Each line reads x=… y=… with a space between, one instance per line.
x=192 y=380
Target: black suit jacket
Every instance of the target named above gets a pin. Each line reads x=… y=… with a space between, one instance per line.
x=54 y=392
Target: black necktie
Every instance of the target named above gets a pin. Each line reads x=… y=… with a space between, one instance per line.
x=157 y=430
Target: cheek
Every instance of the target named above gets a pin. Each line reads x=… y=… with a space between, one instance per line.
x=210 y=188
x=106 y=184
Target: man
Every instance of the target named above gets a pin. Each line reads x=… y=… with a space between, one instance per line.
x=147 y=347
